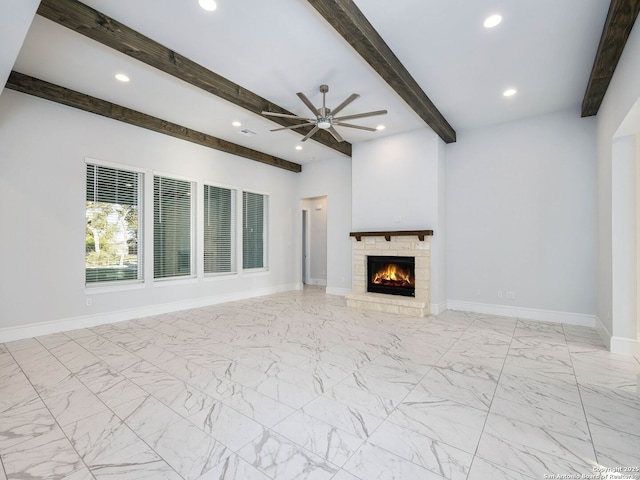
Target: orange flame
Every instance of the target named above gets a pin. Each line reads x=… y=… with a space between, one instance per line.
x=392 y=274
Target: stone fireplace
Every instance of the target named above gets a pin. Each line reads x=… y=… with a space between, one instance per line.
x=392 y=272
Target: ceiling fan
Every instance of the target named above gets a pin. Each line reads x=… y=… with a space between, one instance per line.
x=325 y=118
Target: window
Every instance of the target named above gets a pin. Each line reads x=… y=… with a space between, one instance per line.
x=172 y=227
x=113 y=233
x=254 y=218
x=219 y=230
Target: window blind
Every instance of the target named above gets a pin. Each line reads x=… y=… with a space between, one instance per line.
x=254 y=230
x=113 y=234
x=172 y=227
x=219 y=230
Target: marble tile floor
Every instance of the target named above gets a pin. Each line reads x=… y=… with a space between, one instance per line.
x=296 y=386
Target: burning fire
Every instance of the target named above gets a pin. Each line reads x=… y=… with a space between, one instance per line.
x=392 y=275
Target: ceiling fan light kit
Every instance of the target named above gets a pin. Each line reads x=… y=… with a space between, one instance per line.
x=325 y=118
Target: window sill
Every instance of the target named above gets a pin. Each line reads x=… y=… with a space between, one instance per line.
x=174 y=281
x=213 y=277
x=98 y=288
x=256 y=272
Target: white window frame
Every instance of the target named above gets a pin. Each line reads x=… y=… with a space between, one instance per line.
x=193 y=255
x=121 y=285
x=265 y=239
x=235 y=216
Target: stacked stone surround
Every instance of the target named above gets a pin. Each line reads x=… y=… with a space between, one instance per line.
x=398 y=246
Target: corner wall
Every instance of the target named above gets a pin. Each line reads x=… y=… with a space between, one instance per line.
x=521 y=216
x=15 y=19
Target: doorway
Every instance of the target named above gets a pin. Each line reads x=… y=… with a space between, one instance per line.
x=305 y=246
x=314 y=241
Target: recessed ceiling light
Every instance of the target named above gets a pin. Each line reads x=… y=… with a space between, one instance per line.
x=236 y=124
x=122 y=77
x=509 y=92
x=208 y=5
x=492 y=21
x=380 y=127
x=298 y=147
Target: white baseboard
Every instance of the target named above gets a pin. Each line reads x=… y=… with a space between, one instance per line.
x=338 y=291
x=604 y=333
x=525 y=313
x=622 y=345
x=625 y=346
x=437 y=308
x=318 y=281
x=9 y=334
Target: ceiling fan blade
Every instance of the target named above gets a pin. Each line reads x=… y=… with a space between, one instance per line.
x=349 y=125
x=286 y=115
x=362 y=115
x=335 y=134
x=293 y=126
x=307 y=102
x=345 y=103
x=308 y=135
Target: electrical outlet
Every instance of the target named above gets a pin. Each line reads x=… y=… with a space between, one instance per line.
x=511 y=295
x=499 y=293
x=88 y=302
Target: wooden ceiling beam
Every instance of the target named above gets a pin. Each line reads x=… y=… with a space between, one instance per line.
x=347 y=19
x=617 y=27
x=99 y=27
x=55 y=93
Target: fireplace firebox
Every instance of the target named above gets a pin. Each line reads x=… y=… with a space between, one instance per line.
x=391 y=275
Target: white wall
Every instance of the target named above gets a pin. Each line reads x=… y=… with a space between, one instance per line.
x=317 y=231
x=521 y=216
x=622 y=94
x=43 y=147
x=332 y=178
x=398 y=184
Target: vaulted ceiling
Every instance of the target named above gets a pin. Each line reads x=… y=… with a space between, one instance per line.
x=436 y=50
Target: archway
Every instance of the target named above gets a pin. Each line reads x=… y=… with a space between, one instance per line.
x=625 y=204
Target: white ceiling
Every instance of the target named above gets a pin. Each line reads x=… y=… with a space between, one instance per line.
x=543 y=48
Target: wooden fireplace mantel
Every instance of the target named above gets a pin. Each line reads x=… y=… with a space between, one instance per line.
x=393 y=233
